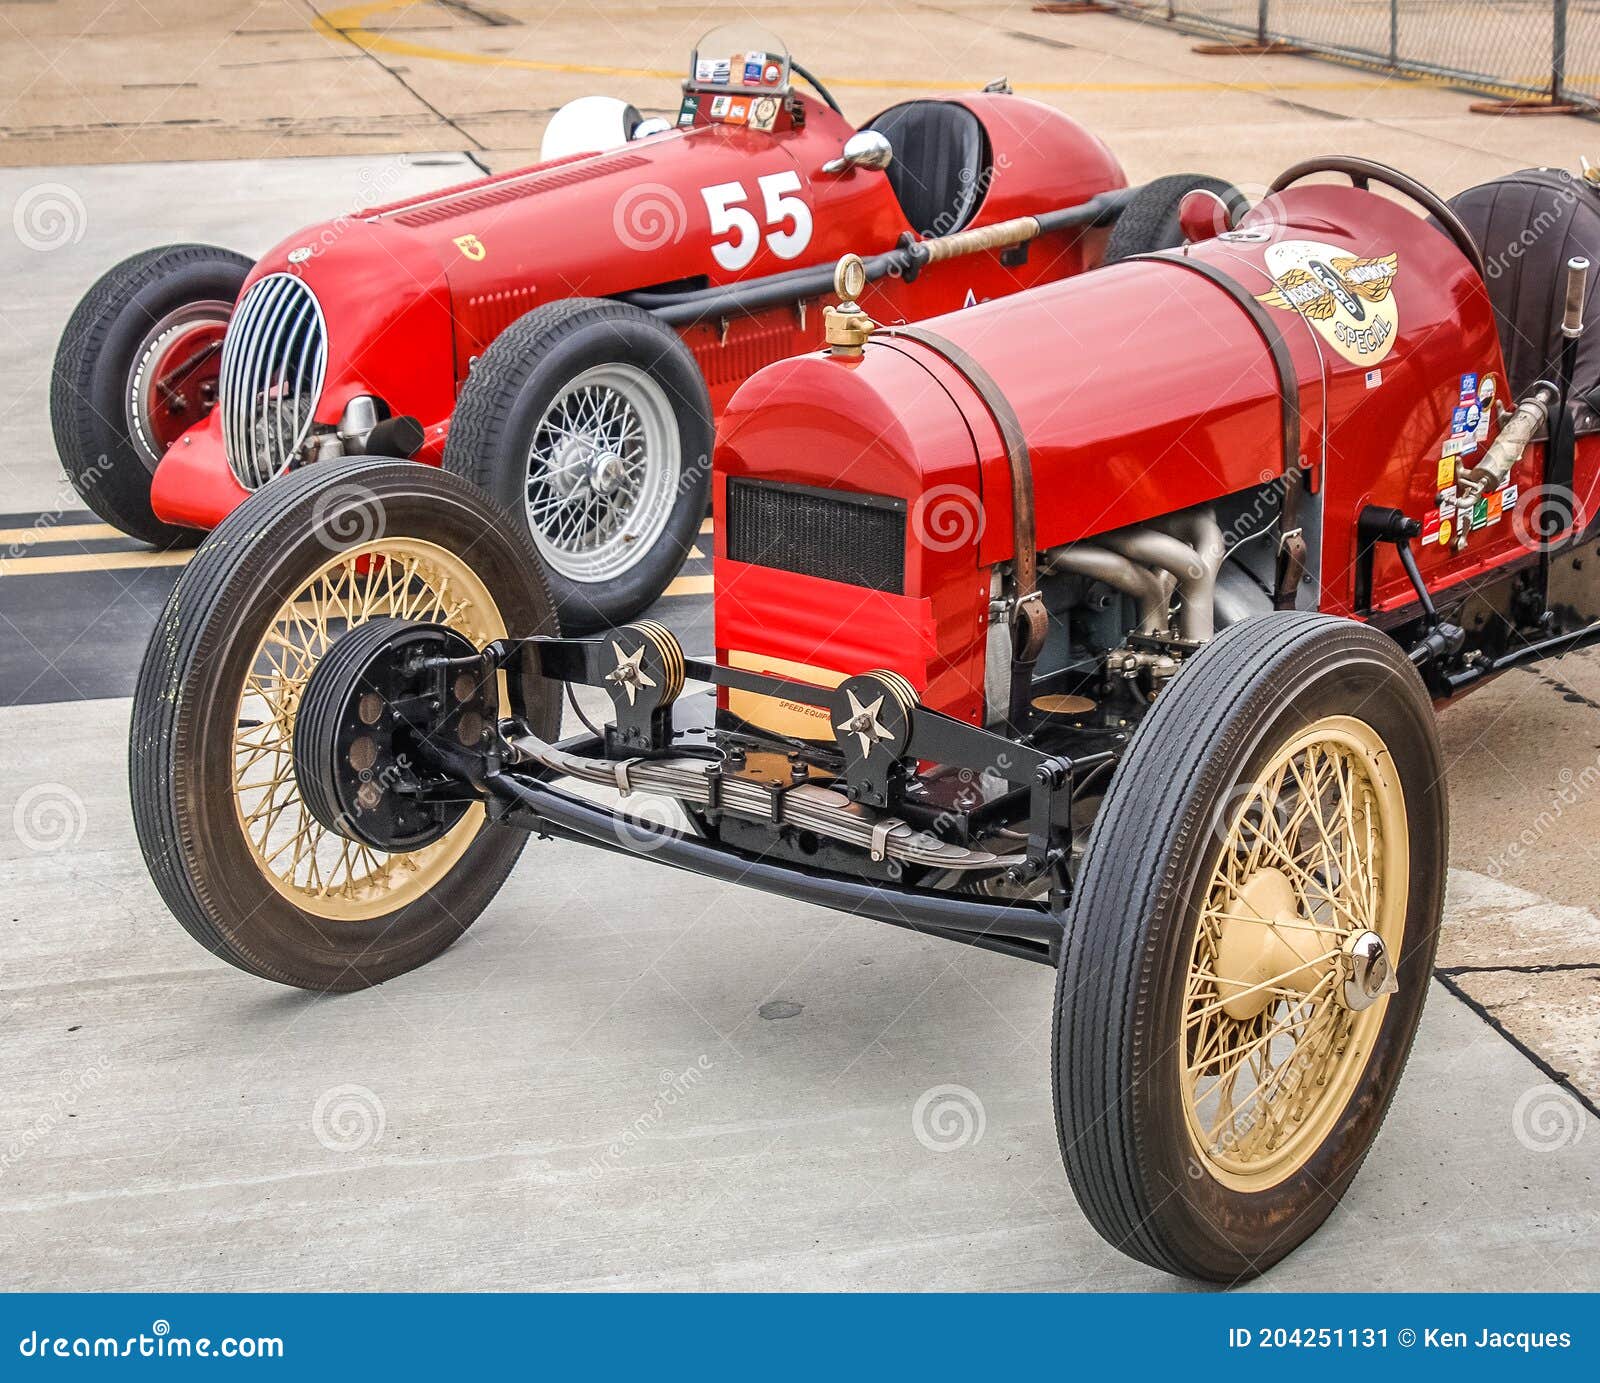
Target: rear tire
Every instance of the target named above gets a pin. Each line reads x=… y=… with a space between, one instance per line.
x=100 y=393
x=1217 y=1087
x=1149 y=222
x=237 y=856
x=575 y=397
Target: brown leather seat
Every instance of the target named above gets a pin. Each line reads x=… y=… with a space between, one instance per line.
x=1528 y=225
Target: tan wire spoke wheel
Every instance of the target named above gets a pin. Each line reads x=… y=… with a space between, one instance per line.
x=1250 y=945
x=1315 y=864
x=318 y=871
x=238 y=856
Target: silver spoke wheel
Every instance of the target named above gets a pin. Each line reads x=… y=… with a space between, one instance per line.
x=603 y=473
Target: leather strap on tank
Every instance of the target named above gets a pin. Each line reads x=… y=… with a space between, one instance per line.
x=1277 y=347
x=1029 y=621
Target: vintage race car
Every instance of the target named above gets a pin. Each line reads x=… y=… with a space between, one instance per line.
x=566 y=335
x=1101 y=626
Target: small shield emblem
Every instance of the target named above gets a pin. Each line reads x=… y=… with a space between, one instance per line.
x=471 y=247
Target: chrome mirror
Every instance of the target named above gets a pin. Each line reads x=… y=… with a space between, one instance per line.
x=864 y=149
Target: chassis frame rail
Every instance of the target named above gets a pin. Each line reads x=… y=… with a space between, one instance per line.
x=643 y=669
x=1024 y=930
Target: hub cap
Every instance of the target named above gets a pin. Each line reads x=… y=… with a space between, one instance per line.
x=1292 y=966
x=603 y=473
x=173 y=382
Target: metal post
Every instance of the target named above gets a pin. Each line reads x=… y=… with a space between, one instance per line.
x=1261 y=23
x=1558 y=51
x=1394 y=33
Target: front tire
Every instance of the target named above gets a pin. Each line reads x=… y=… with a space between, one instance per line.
x=591 y=422
x=237 y=855
x=1217 y=1081
x=137 y=365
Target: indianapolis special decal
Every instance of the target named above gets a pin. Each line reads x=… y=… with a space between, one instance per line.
x=469 y=245
x=1349 y=300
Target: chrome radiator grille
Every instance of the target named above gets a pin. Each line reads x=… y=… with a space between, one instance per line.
x=274 y=358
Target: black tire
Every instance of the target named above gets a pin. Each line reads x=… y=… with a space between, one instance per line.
x=187 y=705
x=1140 y=1176
x=517 y=379
x=1149 y=222
x=89 y=383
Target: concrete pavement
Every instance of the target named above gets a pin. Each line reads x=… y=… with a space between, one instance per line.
x=626 y=1076
x=280 y=78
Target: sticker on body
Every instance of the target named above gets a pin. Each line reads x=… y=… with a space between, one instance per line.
x=1347 y=299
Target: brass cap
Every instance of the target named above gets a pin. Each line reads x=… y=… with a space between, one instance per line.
x=846 y=327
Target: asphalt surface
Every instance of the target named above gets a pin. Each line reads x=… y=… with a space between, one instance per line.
x=631 y=1077
x=78 y=603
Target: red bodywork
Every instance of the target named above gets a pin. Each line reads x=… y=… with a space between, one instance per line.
x=1142 y=389
x=408 y=306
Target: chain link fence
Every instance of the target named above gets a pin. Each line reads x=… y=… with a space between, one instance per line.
x=1516 y=49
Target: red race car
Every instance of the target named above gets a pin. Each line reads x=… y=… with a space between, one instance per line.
x=566 y=335
x=1100 y=626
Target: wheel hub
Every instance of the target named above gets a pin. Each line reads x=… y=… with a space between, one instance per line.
x=1268 y=946
x=606 y=473
x=1369 y=973
x=380 y=696
x=173 y=382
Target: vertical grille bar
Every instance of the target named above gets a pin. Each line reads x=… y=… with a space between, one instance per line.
x=274 y=364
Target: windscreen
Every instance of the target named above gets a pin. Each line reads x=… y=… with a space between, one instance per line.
x=740 y=58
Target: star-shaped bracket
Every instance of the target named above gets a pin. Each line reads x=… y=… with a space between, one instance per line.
x=644 y=668
x=629 y=673
x=871 y=723
x=863 y=723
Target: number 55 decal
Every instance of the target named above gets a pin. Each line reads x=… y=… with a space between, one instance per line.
x=788 y=219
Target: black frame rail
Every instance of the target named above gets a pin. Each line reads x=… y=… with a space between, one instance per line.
x=529 y=797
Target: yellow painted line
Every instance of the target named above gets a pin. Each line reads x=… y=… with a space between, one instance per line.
x=689 y=585
x=89 y=561
x=133 y=561
x=350 y=24
x=57 y=533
